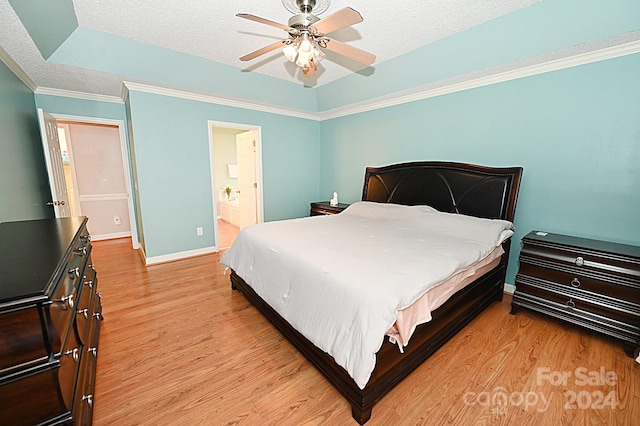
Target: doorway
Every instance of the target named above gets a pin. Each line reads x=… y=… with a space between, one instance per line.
x=236 y=178
x=96 y=173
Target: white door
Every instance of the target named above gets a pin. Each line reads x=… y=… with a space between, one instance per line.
x=53 y=160
x=246 y=157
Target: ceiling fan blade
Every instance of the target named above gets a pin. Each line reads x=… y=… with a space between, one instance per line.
x=341 y=19
x=266 y=49
x=264 y=21
x=351 y=52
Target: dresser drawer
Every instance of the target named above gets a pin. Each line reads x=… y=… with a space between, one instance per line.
x=21 y=396
x=84 y=399
x=589 y=261
x=579 y=300
x=612 y=286
x=21 y=341
x=85 y=309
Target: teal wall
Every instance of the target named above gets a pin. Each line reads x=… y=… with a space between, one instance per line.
x=24 y=186
x=171 y=141
x=546 y=26
x=117 y=55
x=576 y=132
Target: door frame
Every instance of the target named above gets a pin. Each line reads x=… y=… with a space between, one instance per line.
x=55 y=168
x=259 y=193
x=124 y=149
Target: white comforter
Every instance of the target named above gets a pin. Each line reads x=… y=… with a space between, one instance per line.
x=340 y=280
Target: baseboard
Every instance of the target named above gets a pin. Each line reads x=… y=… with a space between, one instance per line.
x=112 y=236
x=179 y=255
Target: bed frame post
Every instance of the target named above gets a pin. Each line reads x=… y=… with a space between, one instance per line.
x=359 y=415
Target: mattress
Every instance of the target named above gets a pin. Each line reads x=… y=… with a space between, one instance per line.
x=341 y=280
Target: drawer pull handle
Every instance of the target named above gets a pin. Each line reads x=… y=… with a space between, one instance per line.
x=89 y=283
x=93 y=351
x=84 y=312
x=82 y=251
x=67 y=302
x=86 y=237
x=579 y=261
x=98 y=316
x=575 y=283
x=74 y=273
x=571 y=303
x=88 y=399
x=75 y=354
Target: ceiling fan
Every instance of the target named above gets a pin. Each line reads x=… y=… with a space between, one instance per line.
x=307 y=35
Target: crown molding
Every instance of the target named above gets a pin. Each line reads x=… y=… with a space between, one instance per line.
x=391 y=100
x=17 y=70
x=78 y=95
x=544 y=67
x=138 y=87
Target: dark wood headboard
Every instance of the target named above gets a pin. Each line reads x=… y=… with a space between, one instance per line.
x=468 y=189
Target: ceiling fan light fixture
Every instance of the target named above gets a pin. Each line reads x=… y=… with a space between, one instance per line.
x=291 y=51
x=307 y=35
x=303 y=51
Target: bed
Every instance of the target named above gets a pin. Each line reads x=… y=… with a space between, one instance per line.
x=465 y=191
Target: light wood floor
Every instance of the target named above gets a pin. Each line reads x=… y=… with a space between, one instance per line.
x=228 y=234
x=178 y=347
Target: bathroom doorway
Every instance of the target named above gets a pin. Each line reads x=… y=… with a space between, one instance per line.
x=236 y=178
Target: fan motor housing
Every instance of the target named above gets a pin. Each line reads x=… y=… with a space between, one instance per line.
x=302 y=20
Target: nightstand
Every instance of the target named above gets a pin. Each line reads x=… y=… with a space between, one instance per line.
x=590 y=283
x=320 y=208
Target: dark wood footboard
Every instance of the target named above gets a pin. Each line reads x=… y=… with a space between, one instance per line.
x=391 y=365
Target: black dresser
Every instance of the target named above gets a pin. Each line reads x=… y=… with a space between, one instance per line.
x=594 y=284
x=50 y=316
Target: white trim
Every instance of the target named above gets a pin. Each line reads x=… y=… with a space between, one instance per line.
x=142 y=254
x=124 y=149
x=104 y=197
x=111 y=236
x=549 y=66
x=218 y=100
x=509 y=288
x=17 y=70
x=545 y=67
x=179 y=255
x=77 y=95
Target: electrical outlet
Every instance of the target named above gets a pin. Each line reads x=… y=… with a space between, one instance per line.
x=116 y=220
x=199 y=231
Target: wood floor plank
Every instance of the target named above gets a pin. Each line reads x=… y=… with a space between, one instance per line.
x=178 y=346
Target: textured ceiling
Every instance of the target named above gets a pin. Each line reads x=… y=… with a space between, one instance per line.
x=210 y=29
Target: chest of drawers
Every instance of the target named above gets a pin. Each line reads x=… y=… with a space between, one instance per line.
x=320 y=208
x=590 y=283
x=50 y=316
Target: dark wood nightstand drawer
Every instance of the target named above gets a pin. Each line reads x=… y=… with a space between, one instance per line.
x=612 y=286
x=577 y=300
x=324 y=208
